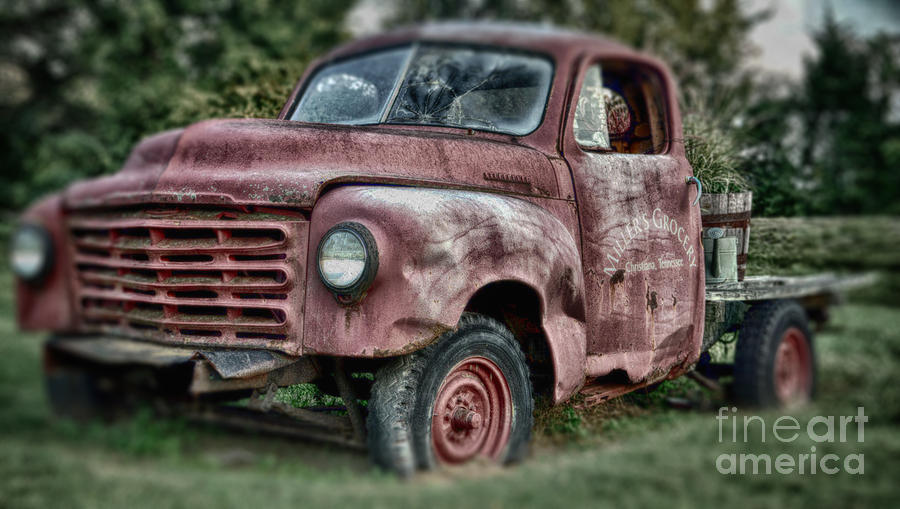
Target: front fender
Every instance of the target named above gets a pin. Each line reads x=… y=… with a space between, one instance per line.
x=45 y=304
x=436 y=249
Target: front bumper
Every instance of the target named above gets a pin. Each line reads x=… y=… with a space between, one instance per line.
x=205 y=370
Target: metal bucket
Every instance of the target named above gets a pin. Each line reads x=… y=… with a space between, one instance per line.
x=720 y=255
x=731 y=212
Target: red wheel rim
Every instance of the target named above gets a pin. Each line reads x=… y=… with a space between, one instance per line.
x=472 y=414
x=793 y=368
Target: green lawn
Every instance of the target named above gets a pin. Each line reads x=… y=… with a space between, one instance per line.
x=634 y=451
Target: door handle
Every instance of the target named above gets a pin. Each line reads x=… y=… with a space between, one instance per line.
x=694 y=180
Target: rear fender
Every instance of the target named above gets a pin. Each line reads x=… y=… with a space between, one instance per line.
x=436 y=249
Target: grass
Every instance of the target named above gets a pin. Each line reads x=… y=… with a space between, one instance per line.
x=799 y=245
x=633 y=451
x=841 y=244
x=306 y=395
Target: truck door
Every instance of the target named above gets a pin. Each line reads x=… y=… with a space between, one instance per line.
x=640 y=233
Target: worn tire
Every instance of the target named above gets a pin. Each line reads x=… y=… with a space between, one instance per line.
x=402 y=405
x=758 y=368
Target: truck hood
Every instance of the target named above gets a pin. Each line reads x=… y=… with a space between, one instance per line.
x=267 y=162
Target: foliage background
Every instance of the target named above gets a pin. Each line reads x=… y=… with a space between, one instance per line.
x=82 y=80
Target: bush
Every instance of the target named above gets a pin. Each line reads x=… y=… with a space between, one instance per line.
x=82 y=82
x=713 y=155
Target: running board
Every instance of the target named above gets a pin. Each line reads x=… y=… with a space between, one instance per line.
x=601 y=392
x=300 y=425
x=264 y=414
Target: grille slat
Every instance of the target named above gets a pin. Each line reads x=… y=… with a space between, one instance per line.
x=179 y=276
x=185 y=283
x=157 y=318
x=164 y=300
x=274 y=272
x=176 y=246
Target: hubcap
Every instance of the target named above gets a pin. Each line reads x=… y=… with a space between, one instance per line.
x=472 y=413
x=793 y=368
x=464 y=419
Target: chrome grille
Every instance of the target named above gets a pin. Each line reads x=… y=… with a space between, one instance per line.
x=218 y=278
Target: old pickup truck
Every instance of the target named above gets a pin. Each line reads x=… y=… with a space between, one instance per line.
x=443 y=223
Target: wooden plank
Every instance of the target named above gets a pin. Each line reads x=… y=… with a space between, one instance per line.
x=786 y=287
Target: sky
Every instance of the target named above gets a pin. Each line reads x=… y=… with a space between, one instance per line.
x=784 y=39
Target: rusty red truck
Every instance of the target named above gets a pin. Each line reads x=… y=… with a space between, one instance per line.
x=444 y=221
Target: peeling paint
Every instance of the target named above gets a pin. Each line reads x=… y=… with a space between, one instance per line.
x=623 y=201
x=453 y=244
x=258 y=161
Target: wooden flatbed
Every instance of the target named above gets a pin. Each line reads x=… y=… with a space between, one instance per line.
x=726 y=303
x=755 y=288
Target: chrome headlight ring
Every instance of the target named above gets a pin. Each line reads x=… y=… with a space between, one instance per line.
x=31 y=252
x=347 y=261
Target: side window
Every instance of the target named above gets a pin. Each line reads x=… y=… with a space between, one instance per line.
x=621 y=109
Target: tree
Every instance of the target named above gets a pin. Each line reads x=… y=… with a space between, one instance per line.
x=82 y=80
x=828 y=144
x=850 y=128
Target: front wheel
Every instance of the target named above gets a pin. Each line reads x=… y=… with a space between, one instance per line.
x=466 y=396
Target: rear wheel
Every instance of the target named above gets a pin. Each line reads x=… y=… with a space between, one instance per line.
x=774 y=360
x=466 y=396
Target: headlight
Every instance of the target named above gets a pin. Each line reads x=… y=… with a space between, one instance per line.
x=348 y=260
x=31 y=252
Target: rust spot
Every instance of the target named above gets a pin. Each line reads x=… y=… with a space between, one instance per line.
x=436 y=332
x=617 y=277
x=652 y=303
x=568 y=284
x=352 y=309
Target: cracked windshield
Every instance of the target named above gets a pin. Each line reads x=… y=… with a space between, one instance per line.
x=431 y=85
